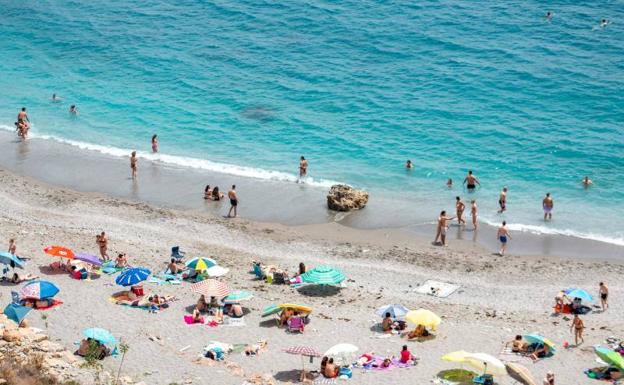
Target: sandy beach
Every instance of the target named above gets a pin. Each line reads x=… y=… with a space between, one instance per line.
x=499 y=296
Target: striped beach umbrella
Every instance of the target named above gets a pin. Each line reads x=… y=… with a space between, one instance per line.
x=59 y=251
x=10 y=259
x=323 y=275
x=303 y=351
x=211 y=288
x=132 y=276
x=201 y=263
x=237 y=296
x=39 y=290
x=88 y=258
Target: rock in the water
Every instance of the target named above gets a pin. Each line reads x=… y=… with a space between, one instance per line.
x=345 y=198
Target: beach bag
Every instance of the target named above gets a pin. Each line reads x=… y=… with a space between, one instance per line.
x=345 y=373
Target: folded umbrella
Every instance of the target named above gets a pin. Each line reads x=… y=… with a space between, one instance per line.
x=39 y=290
x=16 y=312
x=132 y=276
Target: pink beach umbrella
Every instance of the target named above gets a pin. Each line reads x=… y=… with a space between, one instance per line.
x=303 y=351
x=211 y=288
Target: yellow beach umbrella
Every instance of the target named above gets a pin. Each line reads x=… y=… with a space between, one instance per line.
x=294 y=306
x=423 y=317
x=458 y=356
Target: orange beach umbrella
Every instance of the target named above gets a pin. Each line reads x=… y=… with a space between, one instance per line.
x=59 y=251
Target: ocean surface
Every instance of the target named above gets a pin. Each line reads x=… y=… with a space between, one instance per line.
x=358 y=87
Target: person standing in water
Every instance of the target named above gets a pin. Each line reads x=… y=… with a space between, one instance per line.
x=502 y=200
x=547 y=205
x=22 y=117
x=233 y=201
x=133 y=164
x=409 y=165
x=471 y=181
x=154 y=143
x=473 y=213
x=73 y=110
x=549 y=16
x=449 y=183
x=503 y=236
x=460 y=207
x=587 y=182
x=442 y=227
x=303 y=168
x=603 y=290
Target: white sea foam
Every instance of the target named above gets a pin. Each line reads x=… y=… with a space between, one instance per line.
x=196 y=163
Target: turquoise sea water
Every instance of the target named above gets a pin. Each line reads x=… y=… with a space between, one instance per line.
x=357 y=87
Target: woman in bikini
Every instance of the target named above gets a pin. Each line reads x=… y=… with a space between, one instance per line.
x=578 y=326
x=155 y=143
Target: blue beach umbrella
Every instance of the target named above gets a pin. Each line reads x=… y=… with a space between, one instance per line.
x=395 y=310
x=103 y=336
x=537 y=339
x=39 y=290
x=579 y=293
x=8 y=259
x=16 y=312
x=132 y=276
x=323 y=275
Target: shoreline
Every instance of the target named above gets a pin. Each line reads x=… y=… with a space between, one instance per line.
x=289 y=204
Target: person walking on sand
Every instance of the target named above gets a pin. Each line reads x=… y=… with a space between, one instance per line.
x=577 y=326
x=154 y=143
x=233 y=201
x=460 y=207
x=502 y=200
x=603 y=290
x=473 y=213
x=133 y=164
x=471 y=181
x=503 y=236
x=12 y=246
x=303 y=168
x=102 y=242
x=547 y=205
x=442 y=228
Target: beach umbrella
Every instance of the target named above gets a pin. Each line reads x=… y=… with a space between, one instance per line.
x=132 y=276
x=610 y=357
x=395 y=310
x=579 y=293
x=520 y=373
x=88 y=258
x=323 y=275
x=237 y=296
x=16 y=312
x=59 y=251
x=10 y=259
x=343 y=353
x=271 y=309
x=211 y=288
x=537 y=339
x=303 y=351
x=294 y=306
x=423 y=317
x=485 y=363
x=458 y=356
x=39 y=290
x=103 y=336
x=217 y=271
x=201 y=263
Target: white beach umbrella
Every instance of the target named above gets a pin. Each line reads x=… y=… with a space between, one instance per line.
x=485 y=363
x=217 y=271
x=344 y=353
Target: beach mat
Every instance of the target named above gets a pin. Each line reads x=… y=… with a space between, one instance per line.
x=55 y=303
x=188 y=319
x=437 y=288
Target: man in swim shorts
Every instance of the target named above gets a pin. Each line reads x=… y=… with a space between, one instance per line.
x=460 y=207
x=502 y=200
x=503 y=236
x=547 y=205
x=471 y=181
x=442 y=227
x=233 y=201
x=604 y=294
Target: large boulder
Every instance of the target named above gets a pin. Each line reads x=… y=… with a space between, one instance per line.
x=345 y=198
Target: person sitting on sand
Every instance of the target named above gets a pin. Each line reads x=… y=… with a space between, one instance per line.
x=254 y=349
x=172 y=267
x=419 y=332
x=302 y=268
x=207 y=192
x=202 y=305
x=197 y=318
x=121 y=261
x=386 y=324
x=518 y=345
x=407 y=357
x=286 y=315
x=33 y=303
x=236 y=311
x=541 y=351
x=331 y=370
x=324 y=364
x=561 y=299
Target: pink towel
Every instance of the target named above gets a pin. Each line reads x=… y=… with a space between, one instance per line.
x=189 y=320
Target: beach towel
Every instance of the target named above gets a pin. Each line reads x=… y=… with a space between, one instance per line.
x=55 y=303
x=229 y=321
x=437 y=288
x=140 y=303
x=507 y=355
x=377 y=361
x=109 y=268
x=188 y=319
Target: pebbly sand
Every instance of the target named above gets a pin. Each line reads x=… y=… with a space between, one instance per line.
x=381 y=266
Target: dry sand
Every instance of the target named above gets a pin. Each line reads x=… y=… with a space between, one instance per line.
x=382 y=267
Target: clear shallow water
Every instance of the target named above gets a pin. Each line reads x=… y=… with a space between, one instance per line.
x=356 y=87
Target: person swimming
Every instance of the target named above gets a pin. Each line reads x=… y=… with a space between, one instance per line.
x=604 y=23
x=409 y=165
x=56 y=98
x=449 y=183
x=549 y=16
x=587 y=182
x=73 y=110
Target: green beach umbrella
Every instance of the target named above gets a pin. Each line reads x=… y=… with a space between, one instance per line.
x=323 y=275
x=272 y=309
x=237 y=296
x=610 y=357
